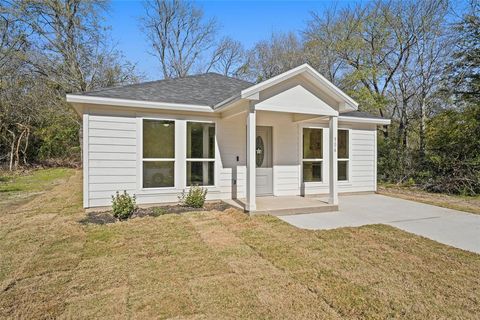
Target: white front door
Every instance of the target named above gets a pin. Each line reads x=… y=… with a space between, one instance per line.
x=263 y=160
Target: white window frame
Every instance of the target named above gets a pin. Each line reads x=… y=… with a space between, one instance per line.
x=322 y=161
x=347 y=160
x=202 y=159
x=142 y=159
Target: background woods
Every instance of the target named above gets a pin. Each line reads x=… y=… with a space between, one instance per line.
x=414 y=62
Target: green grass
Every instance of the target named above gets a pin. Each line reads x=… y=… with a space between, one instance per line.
x=19 y=187
x=218 y=265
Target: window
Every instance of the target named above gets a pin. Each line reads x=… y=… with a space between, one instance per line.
x=158 y=153
x=343 y=155
x=200 y=154
x=312 y=154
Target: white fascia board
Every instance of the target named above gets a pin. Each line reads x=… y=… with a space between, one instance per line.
x=304 y=68
x=364 y=120
x=226 y=103
x=137 y=103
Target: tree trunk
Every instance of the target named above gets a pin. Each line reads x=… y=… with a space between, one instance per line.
x=17 y=149
x=422 y=129
x=12 y=149
x=24 y=151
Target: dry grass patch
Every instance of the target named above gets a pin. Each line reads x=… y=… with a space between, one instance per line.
x=212 y=265
x=462 y=203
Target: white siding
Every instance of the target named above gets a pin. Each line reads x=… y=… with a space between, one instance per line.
x=362 y=160
x=231 y=139
x=111 y=157
x=112 y=161
x=286 y=165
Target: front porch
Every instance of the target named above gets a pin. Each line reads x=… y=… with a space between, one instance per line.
x=286 y=205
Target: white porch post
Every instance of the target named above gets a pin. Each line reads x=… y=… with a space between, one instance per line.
x=333 y=163
x=250 y=204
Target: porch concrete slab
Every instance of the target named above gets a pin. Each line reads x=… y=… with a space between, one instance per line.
x=452 y=227
x=286 y=205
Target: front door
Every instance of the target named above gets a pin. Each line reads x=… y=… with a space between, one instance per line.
x=263 y=160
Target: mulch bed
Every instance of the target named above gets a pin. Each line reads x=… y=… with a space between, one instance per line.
x=106 y=217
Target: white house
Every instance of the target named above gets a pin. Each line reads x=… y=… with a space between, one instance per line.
x=295 y=134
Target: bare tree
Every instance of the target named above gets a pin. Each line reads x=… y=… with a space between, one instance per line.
x=70 y=46
x=372 y=49
x=178 y=35
x=321 y=38
x=229 y=58
x=49 y=48
x=278 y=54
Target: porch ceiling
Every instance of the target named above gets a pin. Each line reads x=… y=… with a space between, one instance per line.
x=296 y=100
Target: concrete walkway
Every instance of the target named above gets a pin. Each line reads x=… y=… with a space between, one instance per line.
x=455 y=228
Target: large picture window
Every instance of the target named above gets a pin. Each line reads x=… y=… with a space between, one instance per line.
x=343 y=155
x=158 y=153
x=312 y=154
x=200 y=154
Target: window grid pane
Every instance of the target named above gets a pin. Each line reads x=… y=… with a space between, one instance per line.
x=312 y=143
x=200 y=173
x=158 y=139
x=343 y=144
x=312 y=171
x=342 y=170
x=158 y=174
x=200 y=140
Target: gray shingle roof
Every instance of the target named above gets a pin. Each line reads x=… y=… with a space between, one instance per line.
x=360 y=114
x=203 y=89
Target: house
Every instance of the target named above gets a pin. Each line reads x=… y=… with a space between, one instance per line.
x=293 y=135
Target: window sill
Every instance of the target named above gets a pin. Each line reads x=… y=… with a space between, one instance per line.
x=158 y=190
x=315 y=184
x=213 y=189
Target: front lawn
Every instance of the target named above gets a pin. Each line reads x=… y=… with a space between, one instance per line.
x=19 y=187
x=216 y=265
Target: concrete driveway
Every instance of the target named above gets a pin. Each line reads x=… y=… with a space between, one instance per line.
x=455 y=228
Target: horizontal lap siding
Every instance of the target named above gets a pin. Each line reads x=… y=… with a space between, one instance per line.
x=112 y=159
x=112 y=152
x=362 y=176
x=286 y=156
x=231 y=138
x=362 y=164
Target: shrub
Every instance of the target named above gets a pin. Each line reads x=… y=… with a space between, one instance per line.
x=123 y=205
x=195 y=198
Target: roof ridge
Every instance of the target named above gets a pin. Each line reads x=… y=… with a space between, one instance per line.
x=161 y=80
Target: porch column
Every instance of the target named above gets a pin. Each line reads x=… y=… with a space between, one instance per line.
x=333 y=163
x=250 y=204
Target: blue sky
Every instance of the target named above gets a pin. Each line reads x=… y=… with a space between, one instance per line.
x=246 y=21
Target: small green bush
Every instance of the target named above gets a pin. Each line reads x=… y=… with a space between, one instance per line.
x=195 y=198
x=123 y=205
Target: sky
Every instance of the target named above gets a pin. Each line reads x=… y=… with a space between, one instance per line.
x=246 y=21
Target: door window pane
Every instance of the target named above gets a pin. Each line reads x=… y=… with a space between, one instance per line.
x=312 y=171
x=259 y=151
x=312 y=143
x=158 y=139
x=342 y=144
x=342 y=170
x=158 y=174
x=200 y=173
x=200 y=140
